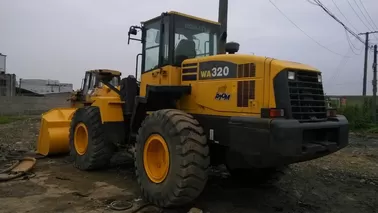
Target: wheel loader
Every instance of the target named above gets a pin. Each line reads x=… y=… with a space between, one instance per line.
x=195 y=107
x=92 y=80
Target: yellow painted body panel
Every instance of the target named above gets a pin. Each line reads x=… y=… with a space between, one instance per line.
x=151 y=78
x=170 y=76
x=109 y=103
x=165 y=76
x=53 y=133
x=202 y=99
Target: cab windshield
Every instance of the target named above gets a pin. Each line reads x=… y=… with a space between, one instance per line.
x=194 y=38
x=187 y=38
x=114 y=81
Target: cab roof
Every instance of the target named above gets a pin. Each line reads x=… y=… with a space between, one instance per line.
x=109 y=71
x=188 y=16
x=193 y=17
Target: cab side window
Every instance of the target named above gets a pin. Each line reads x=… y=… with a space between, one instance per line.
x=93 y=82
x=152 y=46
x=156 y=48
x=86 y=82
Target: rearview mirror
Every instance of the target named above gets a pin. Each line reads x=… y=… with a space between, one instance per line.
x=133 y=31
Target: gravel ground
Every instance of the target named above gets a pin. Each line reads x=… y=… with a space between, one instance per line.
x=346 y=182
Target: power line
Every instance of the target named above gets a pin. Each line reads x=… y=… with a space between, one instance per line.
x=363 y=6
x=356 y=36
x=337 y=70
x=363 y=14
x=357 y=15
x=337 y=7
x=303 y=31
x=309 y=1
x=342 y=62
x=321 y=5
x=351 y=45
x=367 y=33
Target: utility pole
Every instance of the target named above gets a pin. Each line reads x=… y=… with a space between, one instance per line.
x=374 y=102
x=366 y=59
x=222 y=19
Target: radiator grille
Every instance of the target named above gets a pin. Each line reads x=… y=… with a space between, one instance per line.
x=307 y=97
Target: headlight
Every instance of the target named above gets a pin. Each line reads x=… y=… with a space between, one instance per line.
x=319 y=78
x=291 y=75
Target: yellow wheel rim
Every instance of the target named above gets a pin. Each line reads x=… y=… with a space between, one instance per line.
x=156 y=158
x=81 y=139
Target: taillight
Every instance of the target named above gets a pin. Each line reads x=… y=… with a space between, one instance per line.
x=331 y=112
x=272 y=113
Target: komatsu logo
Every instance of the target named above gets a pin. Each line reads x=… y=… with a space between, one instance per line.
x=196 y=27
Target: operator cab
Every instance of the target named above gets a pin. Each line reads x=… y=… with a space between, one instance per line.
x=96 y=78
x=173 y=37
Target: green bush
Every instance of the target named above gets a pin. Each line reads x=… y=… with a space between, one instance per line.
x=359 y=116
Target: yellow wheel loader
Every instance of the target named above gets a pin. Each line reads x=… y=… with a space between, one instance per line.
x=197 y=107
x=91 y=81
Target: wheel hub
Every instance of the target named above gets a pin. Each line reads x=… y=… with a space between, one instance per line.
x=81 y=139
x=156 y=158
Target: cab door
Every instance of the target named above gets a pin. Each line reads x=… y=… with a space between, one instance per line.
x=150 y=70
x=152 y=53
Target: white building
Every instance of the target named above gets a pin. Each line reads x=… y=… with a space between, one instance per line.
x=42 y=86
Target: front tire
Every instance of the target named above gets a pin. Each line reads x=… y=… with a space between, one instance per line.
x=89 y=149
x=172 y=158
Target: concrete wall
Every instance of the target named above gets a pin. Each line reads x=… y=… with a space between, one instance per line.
x=17 y=105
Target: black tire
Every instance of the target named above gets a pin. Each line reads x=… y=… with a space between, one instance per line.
x=99 y=151
x=188 y=156
x=257 y=176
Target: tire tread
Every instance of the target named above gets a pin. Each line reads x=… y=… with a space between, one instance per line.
x=193 y=152
x=101 y=151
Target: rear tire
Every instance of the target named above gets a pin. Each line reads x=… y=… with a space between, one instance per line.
x=90 y=150
x=188 y=158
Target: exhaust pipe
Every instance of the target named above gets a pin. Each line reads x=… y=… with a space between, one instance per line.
x=222 y=19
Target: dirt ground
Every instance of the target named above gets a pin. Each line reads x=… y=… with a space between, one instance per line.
x=346 y=182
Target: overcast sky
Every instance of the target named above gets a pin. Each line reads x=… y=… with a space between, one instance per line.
x=59 y=40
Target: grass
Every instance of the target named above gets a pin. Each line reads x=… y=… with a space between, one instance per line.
x=10 y=119
x=360 y=117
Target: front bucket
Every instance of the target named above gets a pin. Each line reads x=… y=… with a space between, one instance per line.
x=54 y=131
